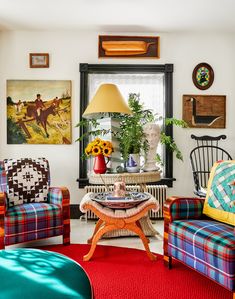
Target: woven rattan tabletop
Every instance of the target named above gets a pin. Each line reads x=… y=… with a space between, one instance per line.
x=128 y=178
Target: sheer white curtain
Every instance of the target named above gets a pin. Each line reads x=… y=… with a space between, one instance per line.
x=149 y=86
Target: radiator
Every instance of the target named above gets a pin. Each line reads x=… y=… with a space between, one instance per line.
x=158 y=191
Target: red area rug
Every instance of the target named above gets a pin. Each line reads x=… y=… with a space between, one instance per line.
x=123 y=273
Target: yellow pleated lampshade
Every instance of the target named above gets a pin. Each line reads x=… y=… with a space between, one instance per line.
x=107 y=99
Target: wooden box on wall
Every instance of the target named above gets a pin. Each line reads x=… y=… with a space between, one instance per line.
x=204 y=111
x=128 y=46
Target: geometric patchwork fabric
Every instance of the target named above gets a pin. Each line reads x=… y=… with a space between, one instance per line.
x=27 y=180
x=220 y=199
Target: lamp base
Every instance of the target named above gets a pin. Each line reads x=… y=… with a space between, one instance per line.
x=112 y=125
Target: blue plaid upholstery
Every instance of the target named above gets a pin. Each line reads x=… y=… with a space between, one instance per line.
x=33 y=220
x=203 y=244
x=207 y=246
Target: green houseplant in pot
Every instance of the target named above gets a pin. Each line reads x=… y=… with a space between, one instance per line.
x=131 y=135
x=132 y=138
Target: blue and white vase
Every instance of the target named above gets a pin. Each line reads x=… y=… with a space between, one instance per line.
x=133 y=163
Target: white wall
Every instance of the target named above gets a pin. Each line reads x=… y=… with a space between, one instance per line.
x=68 y=49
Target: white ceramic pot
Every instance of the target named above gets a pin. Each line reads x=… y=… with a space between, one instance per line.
x=133 y=163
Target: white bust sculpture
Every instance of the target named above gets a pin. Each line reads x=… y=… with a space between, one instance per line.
x=152 y=133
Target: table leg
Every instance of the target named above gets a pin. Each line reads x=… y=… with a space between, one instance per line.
x=148 y=227
x=97 y=227
x=143 y=187
x=95 y=239
x=139 y=225
x=133 y=227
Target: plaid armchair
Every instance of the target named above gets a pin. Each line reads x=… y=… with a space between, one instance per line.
x=29 y=208
x=204 y=244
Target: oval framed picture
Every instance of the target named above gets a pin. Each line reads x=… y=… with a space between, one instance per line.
x=203 y=76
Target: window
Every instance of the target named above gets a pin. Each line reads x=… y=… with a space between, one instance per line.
x=153 y=82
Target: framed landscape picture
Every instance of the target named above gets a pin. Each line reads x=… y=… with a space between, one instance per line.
x=39 y=60
x=38 y=111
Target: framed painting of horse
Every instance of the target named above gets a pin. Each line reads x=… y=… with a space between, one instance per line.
x=39 y=112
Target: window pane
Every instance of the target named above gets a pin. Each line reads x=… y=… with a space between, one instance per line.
x=150 y=87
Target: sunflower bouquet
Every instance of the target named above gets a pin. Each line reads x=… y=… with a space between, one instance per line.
x=99 y=146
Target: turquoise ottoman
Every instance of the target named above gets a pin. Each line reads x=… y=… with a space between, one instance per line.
x=32 y=273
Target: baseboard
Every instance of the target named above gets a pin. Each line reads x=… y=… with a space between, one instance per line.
x=75 y=212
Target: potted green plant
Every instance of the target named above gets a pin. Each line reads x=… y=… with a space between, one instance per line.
x=131 y=136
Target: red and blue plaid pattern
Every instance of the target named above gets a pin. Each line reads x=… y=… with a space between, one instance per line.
x=55 y=196
x=186 y=208
x=205 y=245
x=33 y=221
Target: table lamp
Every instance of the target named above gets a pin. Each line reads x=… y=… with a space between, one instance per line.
x=108 y=99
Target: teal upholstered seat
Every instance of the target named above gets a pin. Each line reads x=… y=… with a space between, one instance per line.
x=36 y=274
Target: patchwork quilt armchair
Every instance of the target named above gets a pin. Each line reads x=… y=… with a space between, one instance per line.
x=200 y=232
x=29 y=208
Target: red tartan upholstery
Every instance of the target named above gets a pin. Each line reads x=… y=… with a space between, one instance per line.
x=35 y=220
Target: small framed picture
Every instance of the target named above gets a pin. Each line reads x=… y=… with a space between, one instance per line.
x=39 y=60
x=203 y=76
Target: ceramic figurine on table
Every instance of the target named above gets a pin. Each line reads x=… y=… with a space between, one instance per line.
x=152 y=133
x=119 y=189
x=133 y=163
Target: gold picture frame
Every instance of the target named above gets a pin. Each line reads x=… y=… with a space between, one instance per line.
x=39 y=60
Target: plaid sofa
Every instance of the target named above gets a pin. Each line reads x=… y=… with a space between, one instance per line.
x=34 y=216
x=204 y=244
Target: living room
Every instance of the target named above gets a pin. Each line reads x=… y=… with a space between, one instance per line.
x=189 y=33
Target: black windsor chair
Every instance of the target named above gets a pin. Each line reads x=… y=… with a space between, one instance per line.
x=202 y=159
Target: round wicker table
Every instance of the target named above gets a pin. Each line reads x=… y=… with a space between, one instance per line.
x=140 y=178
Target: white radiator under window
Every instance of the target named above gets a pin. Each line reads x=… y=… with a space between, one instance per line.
x=158 y=191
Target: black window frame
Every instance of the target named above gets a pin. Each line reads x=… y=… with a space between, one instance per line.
x=167 y=69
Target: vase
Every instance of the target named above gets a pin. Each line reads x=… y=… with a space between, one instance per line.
x=99 y=164
x=133 y=163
